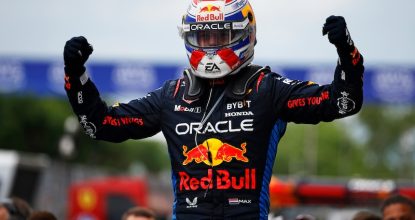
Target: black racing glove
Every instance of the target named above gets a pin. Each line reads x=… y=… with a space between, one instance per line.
x=338 y=34
x=75 y=54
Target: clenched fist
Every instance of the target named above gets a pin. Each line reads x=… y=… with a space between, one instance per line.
x=337 y=32
x=75 y=54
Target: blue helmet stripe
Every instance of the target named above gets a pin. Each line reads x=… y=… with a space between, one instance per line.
x=189 y=19
x=241 y=44
x=237 y=16
x=188 y=48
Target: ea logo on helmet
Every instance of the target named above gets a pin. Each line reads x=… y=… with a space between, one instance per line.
x=212 y=67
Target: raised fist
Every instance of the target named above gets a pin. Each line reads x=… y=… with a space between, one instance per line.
x=337 y=32
x=75 y=54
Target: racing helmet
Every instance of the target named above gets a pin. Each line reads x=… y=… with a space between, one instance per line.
x=219 y=36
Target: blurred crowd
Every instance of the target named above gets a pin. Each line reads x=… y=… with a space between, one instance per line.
x=18 y=209
x=395 y=207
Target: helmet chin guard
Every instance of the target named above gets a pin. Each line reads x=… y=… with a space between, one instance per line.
x=219 y=37
x=224 y=62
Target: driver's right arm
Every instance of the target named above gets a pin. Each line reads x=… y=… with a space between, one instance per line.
x=137 y=119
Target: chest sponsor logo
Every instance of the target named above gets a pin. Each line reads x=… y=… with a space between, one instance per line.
x=218 y=127
x=223 y=180
x=180 y=108
x=238 y=114
x=214 y=152
x=238 y=105
x=217 y=151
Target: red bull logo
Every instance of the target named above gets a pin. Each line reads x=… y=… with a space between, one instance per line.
x=222 y=179
x=209 y=8
x=228 y=152
x=198 y=154
x=211 y=13
x=219 y=152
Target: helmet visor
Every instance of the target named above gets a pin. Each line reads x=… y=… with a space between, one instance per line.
x=212 y=35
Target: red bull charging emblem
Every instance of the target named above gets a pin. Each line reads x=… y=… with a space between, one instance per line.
x=220 y=152
x=217 y=178
x=209 y=8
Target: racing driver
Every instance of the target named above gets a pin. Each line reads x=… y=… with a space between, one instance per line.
x=224 y=118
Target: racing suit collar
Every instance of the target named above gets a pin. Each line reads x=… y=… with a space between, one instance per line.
x=236 y=85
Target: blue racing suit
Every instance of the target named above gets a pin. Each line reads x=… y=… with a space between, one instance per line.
x=222 y=135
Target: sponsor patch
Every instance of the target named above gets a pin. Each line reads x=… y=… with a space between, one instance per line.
x=238 y=105
x=89 y=128
x=345 y=104
x=180 y=108
x=308 y=101
x=238 y=114
x=117 y=122
x=191 y=203
x=218 y=127
x=80 y=98
x=224 y=180
x=236 y=201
